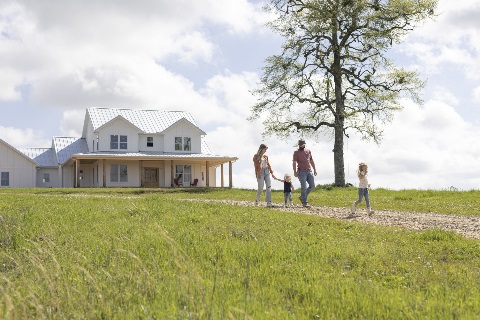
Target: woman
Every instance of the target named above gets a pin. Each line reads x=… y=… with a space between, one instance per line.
x=262 y=172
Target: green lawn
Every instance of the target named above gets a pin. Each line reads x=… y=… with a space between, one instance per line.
x=138 y=253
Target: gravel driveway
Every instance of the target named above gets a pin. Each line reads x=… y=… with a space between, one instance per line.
x=467 y=226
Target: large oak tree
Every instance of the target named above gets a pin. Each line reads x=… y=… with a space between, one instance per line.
x=333 y=75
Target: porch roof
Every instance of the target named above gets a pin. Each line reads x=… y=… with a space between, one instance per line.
x=214 y=160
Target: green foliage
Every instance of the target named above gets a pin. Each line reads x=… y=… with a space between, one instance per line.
x=333 y=75
x=138 y=253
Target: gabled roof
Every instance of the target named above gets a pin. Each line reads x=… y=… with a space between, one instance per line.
x=149 y=121
x=185 y=120
x=18 y=151
x=65 y=147
x=121 y=118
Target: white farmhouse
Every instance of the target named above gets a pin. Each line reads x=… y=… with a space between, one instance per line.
x=119 y=148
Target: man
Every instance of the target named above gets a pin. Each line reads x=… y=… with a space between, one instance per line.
x=302 y=168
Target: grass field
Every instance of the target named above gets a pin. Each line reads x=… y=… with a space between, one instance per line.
x=148 y=254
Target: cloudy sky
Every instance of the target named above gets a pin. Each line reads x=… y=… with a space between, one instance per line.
x=59 y=57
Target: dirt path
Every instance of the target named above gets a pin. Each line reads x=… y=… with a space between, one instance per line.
x=466 y=226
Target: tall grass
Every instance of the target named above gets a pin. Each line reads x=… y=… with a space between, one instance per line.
x=129 y=253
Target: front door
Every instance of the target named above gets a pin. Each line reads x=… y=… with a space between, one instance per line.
x=150 y=177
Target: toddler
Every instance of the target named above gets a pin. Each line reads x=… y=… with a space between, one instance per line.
x=363 y=187
x=287 y=189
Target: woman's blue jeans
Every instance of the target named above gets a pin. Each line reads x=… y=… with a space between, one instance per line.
x=264 y=179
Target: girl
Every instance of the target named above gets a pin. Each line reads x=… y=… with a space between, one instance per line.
x=363 y=187
x=287 y=188
x=262 y=173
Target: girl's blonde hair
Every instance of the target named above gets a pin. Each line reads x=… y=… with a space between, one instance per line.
x=287 y=177
x=360 y=165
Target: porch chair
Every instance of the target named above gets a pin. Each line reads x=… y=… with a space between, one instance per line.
x=194 y=183
x=177 y=183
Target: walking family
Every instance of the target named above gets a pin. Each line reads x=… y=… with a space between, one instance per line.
x=304 y=169
x=303 y=164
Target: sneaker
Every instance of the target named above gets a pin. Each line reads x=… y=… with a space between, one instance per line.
x=353 y=208
x=269 y=204
x=256 y=203
x=370 y=212
x=306 y=205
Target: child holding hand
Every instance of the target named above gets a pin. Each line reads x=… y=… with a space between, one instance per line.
x=363 y=187
x=287 y=189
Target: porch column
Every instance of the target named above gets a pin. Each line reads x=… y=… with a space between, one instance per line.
x=140 y=176
x=76 y=174
x=221 y=175
x=207 y=175
x=171 y=174
x=104 y=176
x=60 y=176
x=230 y=180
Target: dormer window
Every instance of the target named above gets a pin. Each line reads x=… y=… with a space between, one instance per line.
x=149 y=141
x=114 y=142
x=123 y=142
x=187 y=144
x=183 y=143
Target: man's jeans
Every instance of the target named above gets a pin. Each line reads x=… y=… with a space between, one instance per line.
x=304 y=177
x=264 y=177
x=363 y=192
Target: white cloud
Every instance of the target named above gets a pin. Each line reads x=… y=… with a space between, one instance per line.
x=425 y=147
x=23 y=138
x=476 y=95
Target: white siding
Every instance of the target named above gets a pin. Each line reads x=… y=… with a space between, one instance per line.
x=133 y=174
x=119 y=127
x=68 y=177
x=22 y=171
x=182 y=129
x=157 y=143
x=91 y=138
x=54 y=178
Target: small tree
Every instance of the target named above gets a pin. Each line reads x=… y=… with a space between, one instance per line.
x=333 y=74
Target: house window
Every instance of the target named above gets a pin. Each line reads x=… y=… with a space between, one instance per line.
x=149 y=141
x=5 y=179
x=118 y=171
x=183 y=143
x=123 y=142
x=183 y=173
x=114 y=173
x=123 y=173
x=187 y=144
x=114 y=142
x=46 y=177
x=178 y=143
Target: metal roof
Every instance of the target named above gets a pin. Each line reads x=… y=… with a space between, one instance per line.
x=213 y=159
x=45 y=157
x=149 y=121
x=65 y=147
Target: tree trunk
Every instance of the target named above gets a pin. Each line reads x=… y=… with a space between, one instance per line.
x=338 y=161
